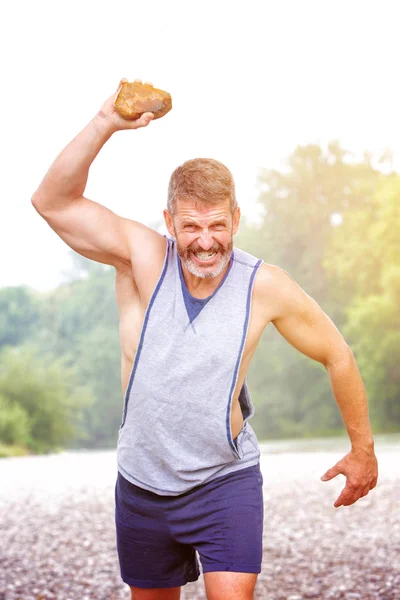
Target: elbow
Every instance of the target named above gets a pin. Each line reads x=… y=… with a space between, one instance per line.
x=36 y=203
x=40 y=204
x=343 y=356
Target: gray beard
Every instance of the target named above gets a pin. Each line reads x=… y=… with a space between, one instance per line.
x=193 y=268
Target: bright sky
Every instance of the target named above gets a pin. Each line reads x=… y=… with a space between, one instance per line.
x=249 y=80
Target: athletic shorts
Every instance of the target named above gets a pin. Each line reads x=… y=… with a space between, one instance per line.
x=157 y=536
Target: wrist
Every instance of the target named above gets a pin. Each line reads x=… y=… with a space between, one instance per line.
x=104 y=124
x=366 y=444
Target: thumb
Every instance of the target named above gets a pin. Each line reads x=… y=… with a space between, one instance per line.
x=142 y=121
x=331 y=473
x=145 y=119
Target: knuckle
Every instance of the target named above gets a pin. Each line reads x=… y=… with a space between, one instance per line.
x=349 y=495
x=355 y=483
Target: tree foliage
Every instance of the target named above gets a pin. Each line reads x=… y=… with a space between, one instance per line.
x=330 y=221
x=19 y=313
x=304 y=205
x=364 y=260
x=41 y=403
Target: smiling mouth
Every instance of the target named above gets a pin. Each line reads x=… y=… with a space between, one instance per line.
x=205 y=257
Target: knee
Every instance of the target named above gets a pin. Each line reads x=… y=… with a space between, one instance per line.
x=155 y=593
x=229 y=584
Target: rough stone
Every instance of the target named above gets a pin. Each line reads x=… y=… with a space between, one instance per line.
x=134 y=99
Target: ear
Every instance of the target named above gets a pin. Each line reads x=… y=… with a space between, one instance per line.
x=236 y=220
x=169 y=223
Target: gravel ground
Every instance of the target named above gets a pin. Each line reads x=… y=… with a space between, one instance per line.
x=57 y=539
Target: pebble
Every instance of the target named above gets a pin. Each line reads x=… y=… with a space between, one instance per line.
x=57 y=537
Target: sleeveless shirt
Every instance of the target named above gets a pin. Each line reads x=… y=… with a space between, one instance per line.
x=176 y=424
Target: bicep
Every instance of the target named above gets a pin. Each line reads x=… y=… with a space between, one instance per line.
x=303 y=323
x=93 y=231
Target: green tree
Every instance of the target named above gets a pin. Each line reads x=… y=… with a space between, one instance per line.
x=364 y=258
x=301 y=203
x=44 y=390
x=14 y=423
x=99 y=359
x=79 y=322
x=75 y=308
x=19 y=314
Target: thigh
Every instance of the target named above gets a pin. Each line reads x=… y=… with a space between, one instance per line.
x=223 y=584
x=149 y=557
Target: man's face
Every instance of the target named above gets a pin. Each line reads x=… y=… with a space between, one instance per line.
x=203 y=235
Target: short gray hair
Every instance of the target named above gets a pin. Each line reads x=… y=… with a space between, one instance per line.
x=203 y=180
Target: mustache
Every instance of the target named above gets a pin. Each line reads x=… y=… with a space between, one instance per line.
x=195 y=248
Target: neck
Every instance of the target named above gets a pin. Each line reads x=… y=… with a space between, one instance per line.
x=200 y=287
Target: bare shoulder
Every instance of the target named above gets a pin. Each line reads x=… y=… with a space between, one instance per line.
x=277 y=291
x=144 y=243
x=147 y=249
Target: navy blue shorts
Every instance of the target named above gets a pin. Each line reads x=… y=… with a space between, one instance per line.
x=157 y=536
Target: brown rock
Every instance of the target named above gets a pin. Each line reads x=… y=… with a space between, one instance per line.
x=134 y=99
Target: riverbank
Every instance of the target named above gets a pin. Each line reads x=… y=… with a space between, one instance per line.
x=57 y=535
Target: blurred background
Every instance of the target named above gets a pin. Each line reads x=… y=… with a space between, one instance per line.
x=299 y=99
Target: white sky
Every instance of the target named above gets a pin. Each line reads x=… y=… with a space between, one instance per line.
x=249 y=80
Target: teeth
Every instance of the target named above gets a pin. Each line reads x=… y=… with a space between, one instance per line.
x=205 y=255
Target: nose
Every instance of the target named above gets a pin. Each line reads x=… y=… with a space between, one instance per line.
x=205 y=241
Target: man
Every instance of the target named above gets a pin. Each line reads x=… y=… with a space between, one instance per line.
x=192 y=311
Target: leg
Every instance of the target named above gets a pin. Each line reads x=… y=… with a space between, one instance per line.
x=226 y=584
x=155 y=593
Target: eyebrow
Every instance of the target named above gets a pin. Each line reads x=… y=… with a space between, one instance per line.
x=222 y=220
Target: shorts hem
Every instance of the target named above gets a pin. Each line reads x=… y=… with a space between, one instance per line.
x=234 y=568
x=146 y=583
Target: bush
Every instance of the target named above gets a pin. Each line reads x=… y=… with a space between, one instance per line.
x=14 y=423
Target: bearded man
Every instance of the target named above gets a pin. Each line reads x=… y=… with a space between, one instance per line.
x=192 y=310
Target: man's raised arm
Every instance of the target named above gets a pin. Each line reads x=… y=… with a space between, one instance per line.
x=86 y=226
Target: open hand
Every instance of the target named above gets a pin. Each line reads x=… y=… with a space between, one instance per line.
x=361 y=470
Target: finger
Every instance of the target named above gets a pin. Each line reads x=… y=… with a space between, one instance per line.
x=345 y=500
x=331 y=473
x=365 y=491
x=148 y=83
x=121 y=83
x=137 y=81
x=340 y=500
x=373 y=484
x=348 y=496
x=346 y=493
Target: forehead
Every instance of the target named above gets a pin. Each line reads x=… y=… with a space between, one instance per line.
x=188 y=209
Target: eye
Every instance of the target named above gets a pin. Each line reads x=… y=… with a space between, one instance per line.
x=189 y=227
x=219 y=226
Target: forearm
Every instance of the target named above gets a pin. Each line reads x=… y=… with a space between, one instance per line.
x=349 y=392
x=67 y=177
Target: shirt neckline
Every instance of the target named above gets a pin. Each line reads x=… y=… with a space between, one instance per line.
x=208 y=298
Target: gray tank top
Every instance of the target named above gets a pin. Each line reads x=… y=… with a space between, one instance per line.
x=175 y=432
